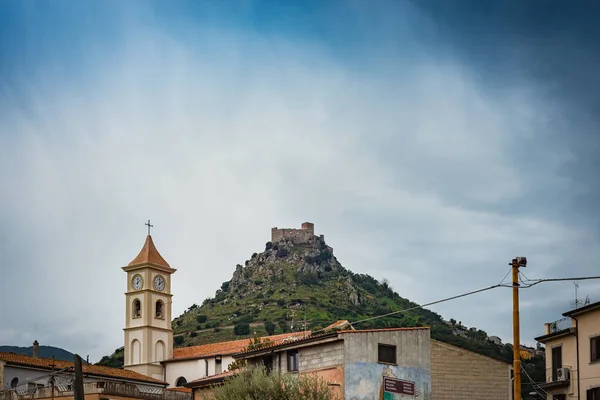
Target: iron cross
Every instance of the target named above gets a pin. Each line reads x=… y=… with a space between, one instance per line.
x=149 y=226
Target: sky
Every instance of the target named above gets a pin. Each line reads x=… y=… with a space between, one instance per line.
x=430 y=143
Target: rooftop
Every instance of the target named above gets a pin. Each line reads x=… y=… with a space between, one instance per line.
x=107 y=389
x=209 y=380
x=89 y=369
x=149 y=255
x=335 y=335
x=583 y=310
x=224 y=348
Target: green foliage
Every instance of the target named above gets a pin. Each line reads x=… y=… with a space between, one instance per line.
x=241 y=328
x=255 y=383
x=116 y=361
x=193 y=333
x=178 y=340
x=201 y=318
x=270 y=327
x=280 y=302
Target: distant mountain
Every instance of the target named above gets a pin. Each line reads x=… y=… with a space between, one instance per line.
x=43 y=352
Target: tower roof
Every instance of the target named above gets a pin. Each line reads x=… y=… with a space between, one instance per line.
x=149 y=255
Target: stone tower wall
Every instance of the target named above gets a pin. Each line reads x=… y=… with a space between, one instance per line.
x=301 y=235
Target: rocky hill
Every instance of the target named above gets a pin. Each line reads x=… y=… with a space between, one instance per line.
x=292 y=282
x=297 y=283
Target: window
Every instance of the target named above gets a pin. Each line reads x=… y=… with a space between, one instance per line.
x=181 y=381
x=560 y=396
x=159 y=309
x=137 y=309
x=218 y=365
x=292 y=357
x=556 y=362
x=593 y=394
x=386 y=354
x=268 y=363
x=595 y=349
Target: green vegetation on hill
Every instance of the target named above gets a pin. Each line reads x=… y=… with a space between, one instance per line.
x=43 y=352
x=277 y=290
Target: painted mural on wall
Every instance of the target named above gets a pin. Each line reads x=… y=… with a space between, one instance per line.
x=367 y=381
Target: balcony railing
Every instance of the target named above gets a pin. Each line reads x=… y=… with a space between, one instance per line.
x=556 y=379
x=107 y=388
x=559 y=325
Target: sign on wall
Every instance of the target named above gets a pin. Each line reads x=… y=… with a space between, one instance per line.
x=399 y=386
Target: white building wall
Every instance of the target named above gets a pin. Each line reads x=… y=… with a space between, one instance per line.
x=195 y=369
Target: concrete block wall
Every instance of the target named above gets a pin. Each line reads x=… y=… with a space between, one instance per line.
x=458 y=374
x=326 y=355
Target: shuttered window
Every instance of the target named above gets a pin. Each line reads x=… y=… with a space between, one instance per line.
x=595 y=349
x=387 y=354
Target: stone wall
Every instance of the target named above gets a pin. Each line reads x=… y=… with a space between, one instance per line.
x=458 y=374
x=295 y=235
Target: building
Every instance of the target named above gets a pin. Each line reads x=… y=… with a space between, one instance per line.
x=495 y=340
x=527 y=353
x=355 y=363
x=459 y=374
x=31 y=377
x=355 y=371
x=197 y=362
x=573 y=355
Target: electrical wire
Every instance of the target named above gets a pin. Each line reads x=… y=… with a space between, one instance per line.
x=537 y=281
x=430 y=304
x=533 y=383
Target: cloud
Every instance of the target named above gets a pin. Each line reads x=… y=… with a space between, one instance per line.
x=218 y=134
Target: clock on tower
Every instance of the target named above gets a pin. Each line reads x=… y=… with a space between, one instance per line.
x=148 y=333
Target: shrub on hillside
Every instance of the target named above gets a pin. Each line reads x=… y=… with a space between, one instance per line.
x=241 y=328
x=201 y=318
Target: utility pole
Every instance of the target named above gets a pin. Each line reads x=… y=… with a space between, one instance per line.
x=52 y=377
x=516 y=263
x=78 y=382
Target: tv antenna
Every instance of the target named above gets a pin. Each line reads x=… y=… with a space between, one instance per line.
x=576 y=303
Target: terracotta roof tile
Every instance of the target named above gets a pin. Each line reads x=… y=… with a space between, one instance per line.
x=208 y=380
x=332 y=334
x=225 y=348
x=149 y=254
x=90 y=369
x=337 y=325
x=180 y=389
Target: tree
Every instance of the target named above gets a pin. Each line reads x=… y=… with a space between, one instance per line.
x=255 y=343
x=201 y=318
x=255 y=383
x=242 y=328
x=270 y=327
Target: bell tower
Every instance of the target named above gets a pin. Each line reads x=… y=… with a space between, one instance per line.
x=148 y=299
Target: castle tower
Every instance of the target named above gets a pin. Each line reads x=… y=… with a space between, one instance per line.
x=148 y=299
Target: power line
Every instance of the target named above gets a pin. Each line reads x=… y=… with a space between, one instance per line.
x=536 y=281
x=533 y=383
x=432 y=303
x=527 y=286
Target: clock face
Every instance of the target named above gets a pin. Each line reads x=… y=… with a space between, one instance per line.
x=137 y=282
x=159 y=283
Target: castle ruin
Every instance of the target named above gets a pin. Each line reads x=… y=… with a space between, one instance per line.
x=301 y=235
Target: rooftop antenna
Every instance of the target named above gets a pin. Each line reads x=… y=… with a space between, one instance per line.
x=576 y=303
x=587 y=300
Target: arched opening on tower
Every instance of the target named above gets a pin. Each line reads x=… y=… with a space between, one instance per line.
x=160 y=351
x=181 y=381
x=137 y=308
x=159 y=309
x=136 y=352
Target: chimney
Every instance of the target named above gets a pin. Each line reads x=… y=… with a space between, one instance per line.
x=36 y=349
